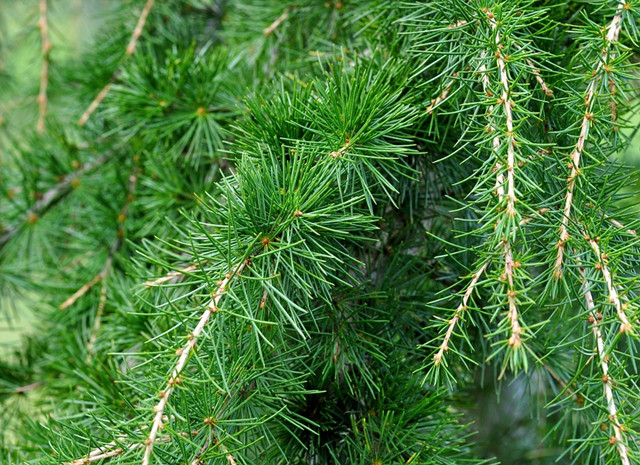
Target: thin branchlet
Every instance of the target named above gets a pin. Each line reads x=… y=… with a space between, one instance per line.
x=508 y=194
x=171 y=275
x=50 y=198
x=44 y=73
x=111 y=450
x=106 y=270
x=131 y=47
x=277 y=22
x=613 y=31
x=443 y=95
x=541 y=82
x=617 y=439
x=184 y=354
x=475 y=277
x=614 y=298
x=444 y=346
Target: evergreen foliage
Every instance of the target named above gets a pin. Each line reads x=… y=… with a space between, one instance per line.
x=262 y=232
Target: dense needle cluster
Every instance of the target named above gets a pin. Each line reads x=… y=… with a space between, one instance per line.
x=262 y=232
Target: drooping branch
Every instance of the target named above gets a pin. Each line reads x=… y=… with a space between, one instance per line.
x=486 y=88
x=44 y=73
x=509 y=195
x=131 y=46
x=184 y=354
x=613 y=31
x=614 y=298
x=617 y=437
x=444 y=346
x=50 y=198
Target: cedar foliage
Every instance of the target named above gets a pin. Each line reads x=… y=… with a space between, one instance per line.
x=293 y=232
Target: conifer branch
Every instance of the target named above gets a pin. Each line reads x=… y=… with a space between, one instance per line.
x=111 y=450
x=614 y=298
x=133 y=178
x=213 y=440
x=44 y=74
x=137 y=32
x=184 y=354
x=274 y=25
x=98 y=99
x=98 y=319
x=613 y=31
x=509 y=264
x=486 y=88
x=443 y=95
x=82 y=291
x=131 y=46
x=444 y=346
x=50 y=198
x=104 y=454
x=617 y=438
x=619 y=225
x=171 y=275
x=508 y=104
x=543 y=85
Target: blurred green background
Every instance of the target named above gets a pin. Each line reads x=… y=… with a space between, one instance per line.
x=503 y=415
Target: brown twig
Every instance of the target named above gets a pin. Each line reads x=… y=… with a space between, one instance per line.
x=135 y=36
x=171 y=275
x=543 y=85
x=82 y=291
x=274 y=25
x=28 y=387
x=613 y=32
x=111 y=450
x=137 y=32
x=98 y=319
x=213 y=440
x=105 y=455
x=44 y=74
x=443 y=95
x=184 y=354
x=486 y=88
x=619 y=225
x=98 y=100
x=112 y=250
x=50 y=198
